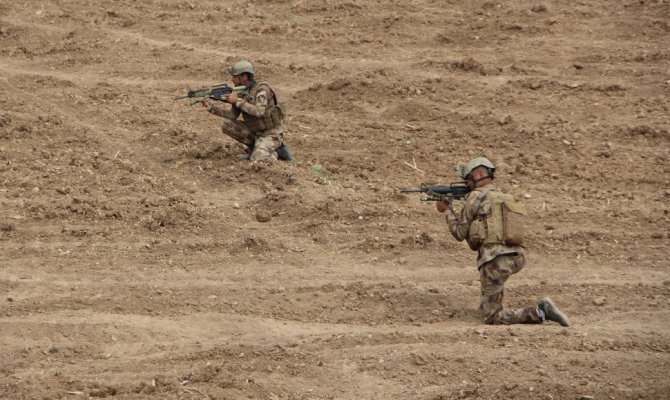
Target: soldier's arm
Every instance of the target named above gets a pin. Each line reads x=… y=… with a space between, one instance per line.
x=259 y=105
x=459 y=219
x=233 y=113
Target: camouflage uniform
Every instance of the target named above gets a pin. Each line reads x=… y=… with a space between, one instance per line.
x=255 y=105
x=496 y=262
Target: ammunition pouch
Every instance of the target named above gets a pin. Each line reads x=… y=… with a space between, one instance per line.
x=476 y=234
x=513 y=223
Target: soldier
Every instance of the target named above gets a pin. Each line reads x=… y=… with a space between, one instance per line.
x=260 y=128
x=500 y=253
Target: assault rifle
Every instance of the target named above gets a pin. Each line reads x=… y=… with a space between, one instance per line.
x=456 y=190
x=216 y=93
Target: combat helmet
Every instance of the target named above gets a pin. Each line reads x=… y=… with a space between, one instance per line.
x=477 y=162
x=241 y=67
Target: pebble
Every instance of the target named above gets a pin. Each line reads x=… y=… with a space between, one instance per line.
x=599 y=301
x=236 y=205
x=263 y=217
x=507 y=119
x=527 y=196
x=418 y=359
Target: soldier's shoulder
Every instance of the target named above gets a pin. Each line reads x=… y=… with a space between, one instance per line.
x=474 y=196
x=262 y=85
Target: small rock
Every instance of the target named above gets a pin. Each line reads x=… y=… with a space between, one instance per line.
x=6 y=226
x=263 y=217
x=578 y=66
x=339 y=84
x=507 y=119
x=599 y=301
x=35 y=189
x=418 y=359
x=236 y=205
x=10 y=299
x=527 y=196
x=585 y=398
x=539 y=8
x=657 y=235
x=62 y=190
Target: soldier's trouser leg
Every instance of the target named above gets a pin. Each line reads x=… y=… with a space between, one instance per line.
x=265 y=148
x=492 y=277
x=236 y=130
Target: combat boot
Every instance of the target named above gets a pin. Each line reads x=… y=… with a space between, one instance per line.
x=283 y=153
x=552 y=313
x=247 y=156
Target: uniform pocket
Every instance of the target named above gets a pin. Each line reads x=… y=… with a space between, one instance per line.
x=513 y=223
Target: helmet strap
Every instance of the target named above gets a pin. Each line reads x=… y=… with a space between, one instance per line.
x=489 y=175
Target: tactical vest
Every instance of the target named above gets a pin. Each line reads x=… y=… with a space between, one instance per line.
x=504 y=224
x=273 y=116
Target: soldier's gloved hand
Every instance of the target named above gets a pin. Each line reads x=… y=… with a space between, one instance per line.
x=442 y=205
x=232 y=98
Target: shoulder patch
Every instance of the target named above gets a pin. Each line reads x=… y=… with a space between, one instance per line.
x=261 y=98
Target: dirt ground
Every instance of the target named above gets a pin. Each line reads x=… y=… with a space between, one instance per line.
x=142 y=260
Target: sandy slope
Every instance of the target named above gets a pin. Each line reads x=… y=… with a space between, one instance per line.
x=135 y=264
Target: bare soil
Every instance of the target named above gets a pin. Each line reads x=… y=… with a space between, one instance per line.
x=142 y=260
